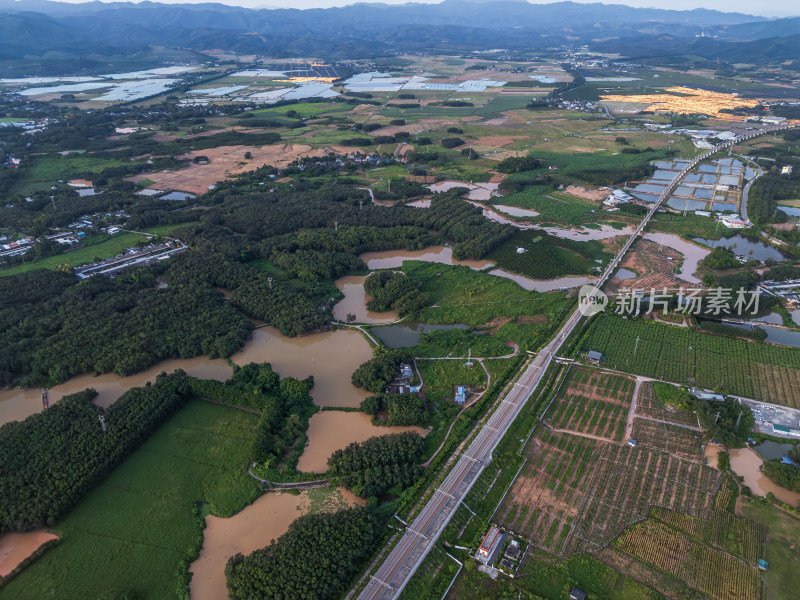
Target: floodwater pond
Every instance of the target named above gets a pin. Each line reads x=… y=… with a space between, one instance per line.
x=516 y=211
x=542 y=285
x=603 y=232
x=407 y=335
x=330 y=357
x=264 y=520
x=477 y=191
x=16 y=547
x=393 y=259
x=692 y=253
x=771 y=450
x=332 y=430
x=746 y=463
x=355 y=302
x=624 y=274
x=745 y=247
x=775 y=335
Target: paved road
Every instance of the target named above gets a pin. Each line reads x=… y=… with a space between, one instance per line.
x=404 y=559
x=746 y=190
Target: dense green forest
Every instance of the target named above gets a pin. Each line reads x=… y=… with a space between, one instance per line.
x=401 y=409
x=51 y=459
x=314 y=560
x=285 y=406
x=372 y=467
x=374 y=374
x=391 y=290
x=59 y=328
x=786 y=476
x=729 y=422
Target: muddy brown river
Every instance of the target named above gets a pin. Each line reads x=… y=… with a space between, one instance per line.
x=746 y=463
x=16 y=547
x=393 y=259
x=264 y=520
x=332 y=430
x=355 y=302
x=331 y=357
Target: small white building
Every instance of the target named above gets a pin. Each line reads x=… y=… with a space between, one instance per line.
x=733 y=222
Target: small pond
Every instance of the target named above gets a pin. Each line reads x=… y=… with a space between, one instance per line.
x=771 y=450
x=745 y=247
x=407 y=335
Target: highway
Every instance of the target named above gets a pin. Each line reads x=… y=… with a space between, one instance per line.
x=404 y=559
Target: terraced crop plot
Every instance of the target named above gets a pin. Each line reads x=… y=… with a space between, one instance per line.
x=669 y=438
x=719 y=575
x=648 y=405
x=593 y=403
x=687 y=356
x=575 y=494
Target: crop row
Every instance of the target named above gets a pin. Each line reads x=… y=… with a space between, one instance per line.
x=710 y=571
x=685 y=355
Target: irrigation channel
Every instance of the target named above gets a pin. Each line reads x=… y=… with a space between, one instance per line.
x=403 y=560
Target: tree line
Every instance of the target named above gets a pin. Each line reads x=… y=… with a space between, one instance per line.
x=401 y=409
x=377 y=372
x=391 y=290
x=314 y=560
x=51 y=459
x=370 y=468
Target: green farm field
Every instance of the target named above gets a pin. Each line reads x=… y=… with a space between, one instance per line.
x=461 y=295
x=783 y=553
x=130 y=534
x=682 y=355
x=43 y=171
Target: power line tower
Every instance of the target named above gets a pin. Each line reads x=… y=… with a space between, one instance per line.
x=336 y=225
x=269 y=281
x=102 y=420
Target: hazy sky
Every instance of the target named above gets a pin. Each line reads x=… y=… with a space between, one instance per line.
x=772 y=8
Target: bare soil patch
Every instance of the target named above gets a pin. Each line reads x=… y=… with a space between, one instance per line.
x=532 y=319
x=225 y=161
x=581 y=192
x=654 y=267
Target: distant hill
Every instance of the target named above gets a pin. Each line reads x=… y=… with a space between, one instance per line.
x=38 y=27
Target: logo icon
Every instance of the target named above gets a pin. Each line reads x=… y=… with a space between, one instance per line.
x=591 y=300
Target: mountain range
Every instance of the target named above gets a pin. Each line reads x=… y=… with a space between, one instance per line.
x=44 y=29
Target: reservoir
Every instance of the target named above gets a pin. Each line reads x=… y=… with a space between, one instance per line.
x=408 y=334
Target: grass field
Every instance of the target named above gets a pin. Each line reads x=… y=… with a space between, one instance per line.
x=44 y=171
x=130 y=534
x=303 y=109
x=461 y=295
x=783 y=551
x=548 y=257
x=687 y=356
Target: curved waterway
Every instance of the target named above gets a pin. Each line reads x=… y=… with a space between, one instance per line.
x=692 y=253
x=264 y=520
x=355 y=302
x=393 y=259
x=331 y=357
x=16 y=547
x=746 y=463
x=542 y=285
x=333 y=430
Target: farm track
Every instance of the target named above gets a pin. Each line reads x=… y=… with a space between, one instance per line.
x=402 y=562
